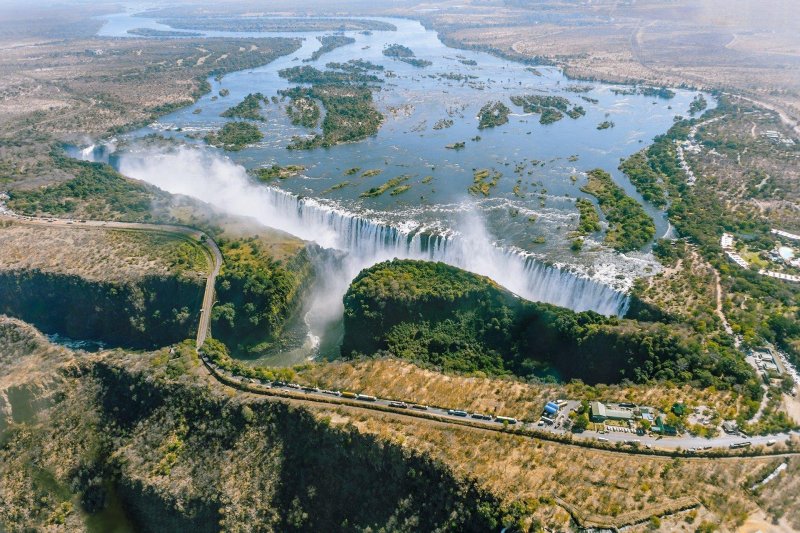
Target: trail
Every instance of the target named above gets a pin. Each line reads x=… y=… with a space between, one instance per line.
x=719 y=311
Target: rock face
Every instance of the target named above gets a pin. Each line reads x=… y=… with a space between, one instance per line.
x=141 y=313
x=439 y=315
x=144 y=441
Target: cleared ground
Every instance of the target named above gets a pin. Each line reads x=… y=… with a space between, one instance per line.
x=99 y=254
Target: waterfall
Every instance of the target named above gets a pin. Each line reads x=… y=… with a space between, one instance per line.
x=88 y=153
x=204 y=175
x=520 y=273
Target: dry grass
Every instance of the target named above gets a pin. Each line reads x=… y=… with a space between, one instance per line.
x=90 y=85
x=395 y=378
x=24 y=351
x=610 y=486
x=748 y=45
x=99 y=254
x=685 y=290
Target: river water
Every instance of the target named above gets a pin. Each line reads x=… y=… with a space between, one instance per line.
x=519 y=234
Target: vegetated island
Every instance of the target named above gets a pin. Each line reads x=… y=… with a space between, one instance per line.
x=356 y=66
x=281 y=24
x=606 y=124
x=484 y=180
x=150 y=32
x=550 y=108
x=350 y=113
x=493 y=114
x=698 y=104
x=329 y=43
x=438 y=315
x=234 y=136
x=371 y=173
x=303 y=110
x=443 y=123
x=658 y=92
x=393 y=184
x=589 y=221
x=249 y=108
x=405 y=54
x=267 y=174
x=643 y=169
x=630 y=227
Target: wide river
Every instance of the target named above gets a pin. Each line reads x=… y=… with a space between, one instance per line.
x=519 y=234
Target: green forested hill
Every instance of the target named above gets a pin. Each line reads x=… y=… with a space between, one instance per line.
x=439 y=315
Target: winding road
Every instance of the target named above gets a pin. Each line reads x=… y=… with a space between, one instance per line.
x=630 y=442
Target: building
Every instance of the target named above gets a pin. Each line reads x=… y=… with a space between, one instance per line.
x=551 y=409
x=601 y=412
x=649 y=414
x=726 y=241
x=729 y=426
x=663 y=428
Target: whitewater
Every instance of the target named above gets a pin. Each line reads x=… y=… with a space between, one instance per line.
x=209 y=177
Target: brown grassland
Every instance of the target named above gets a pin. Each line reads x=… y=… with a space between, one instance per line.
x=601 y=487
x=394 y=378
x=100 y=254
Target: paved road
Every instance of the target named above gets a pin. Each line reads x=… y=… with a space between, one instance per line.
x=688 y=444
x=208 y=295
x=208 y=244
x=453 y=415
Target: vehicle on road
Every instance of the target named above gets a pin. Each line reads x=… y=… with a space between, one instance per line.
x=399 y=405
x=347 y=394
x=457 y=412
x=481 y=416
x=508 y=419
x=366 y=398
x=419 y=407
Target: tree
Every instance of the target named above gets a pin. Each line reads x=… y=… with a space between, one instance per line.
x=581 y=423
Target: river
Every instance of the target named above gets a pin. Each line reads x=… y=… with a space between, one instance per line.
x=519 y=235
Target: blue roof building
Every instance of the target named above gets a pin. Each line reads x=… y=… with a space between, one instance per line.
x=551 y=408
